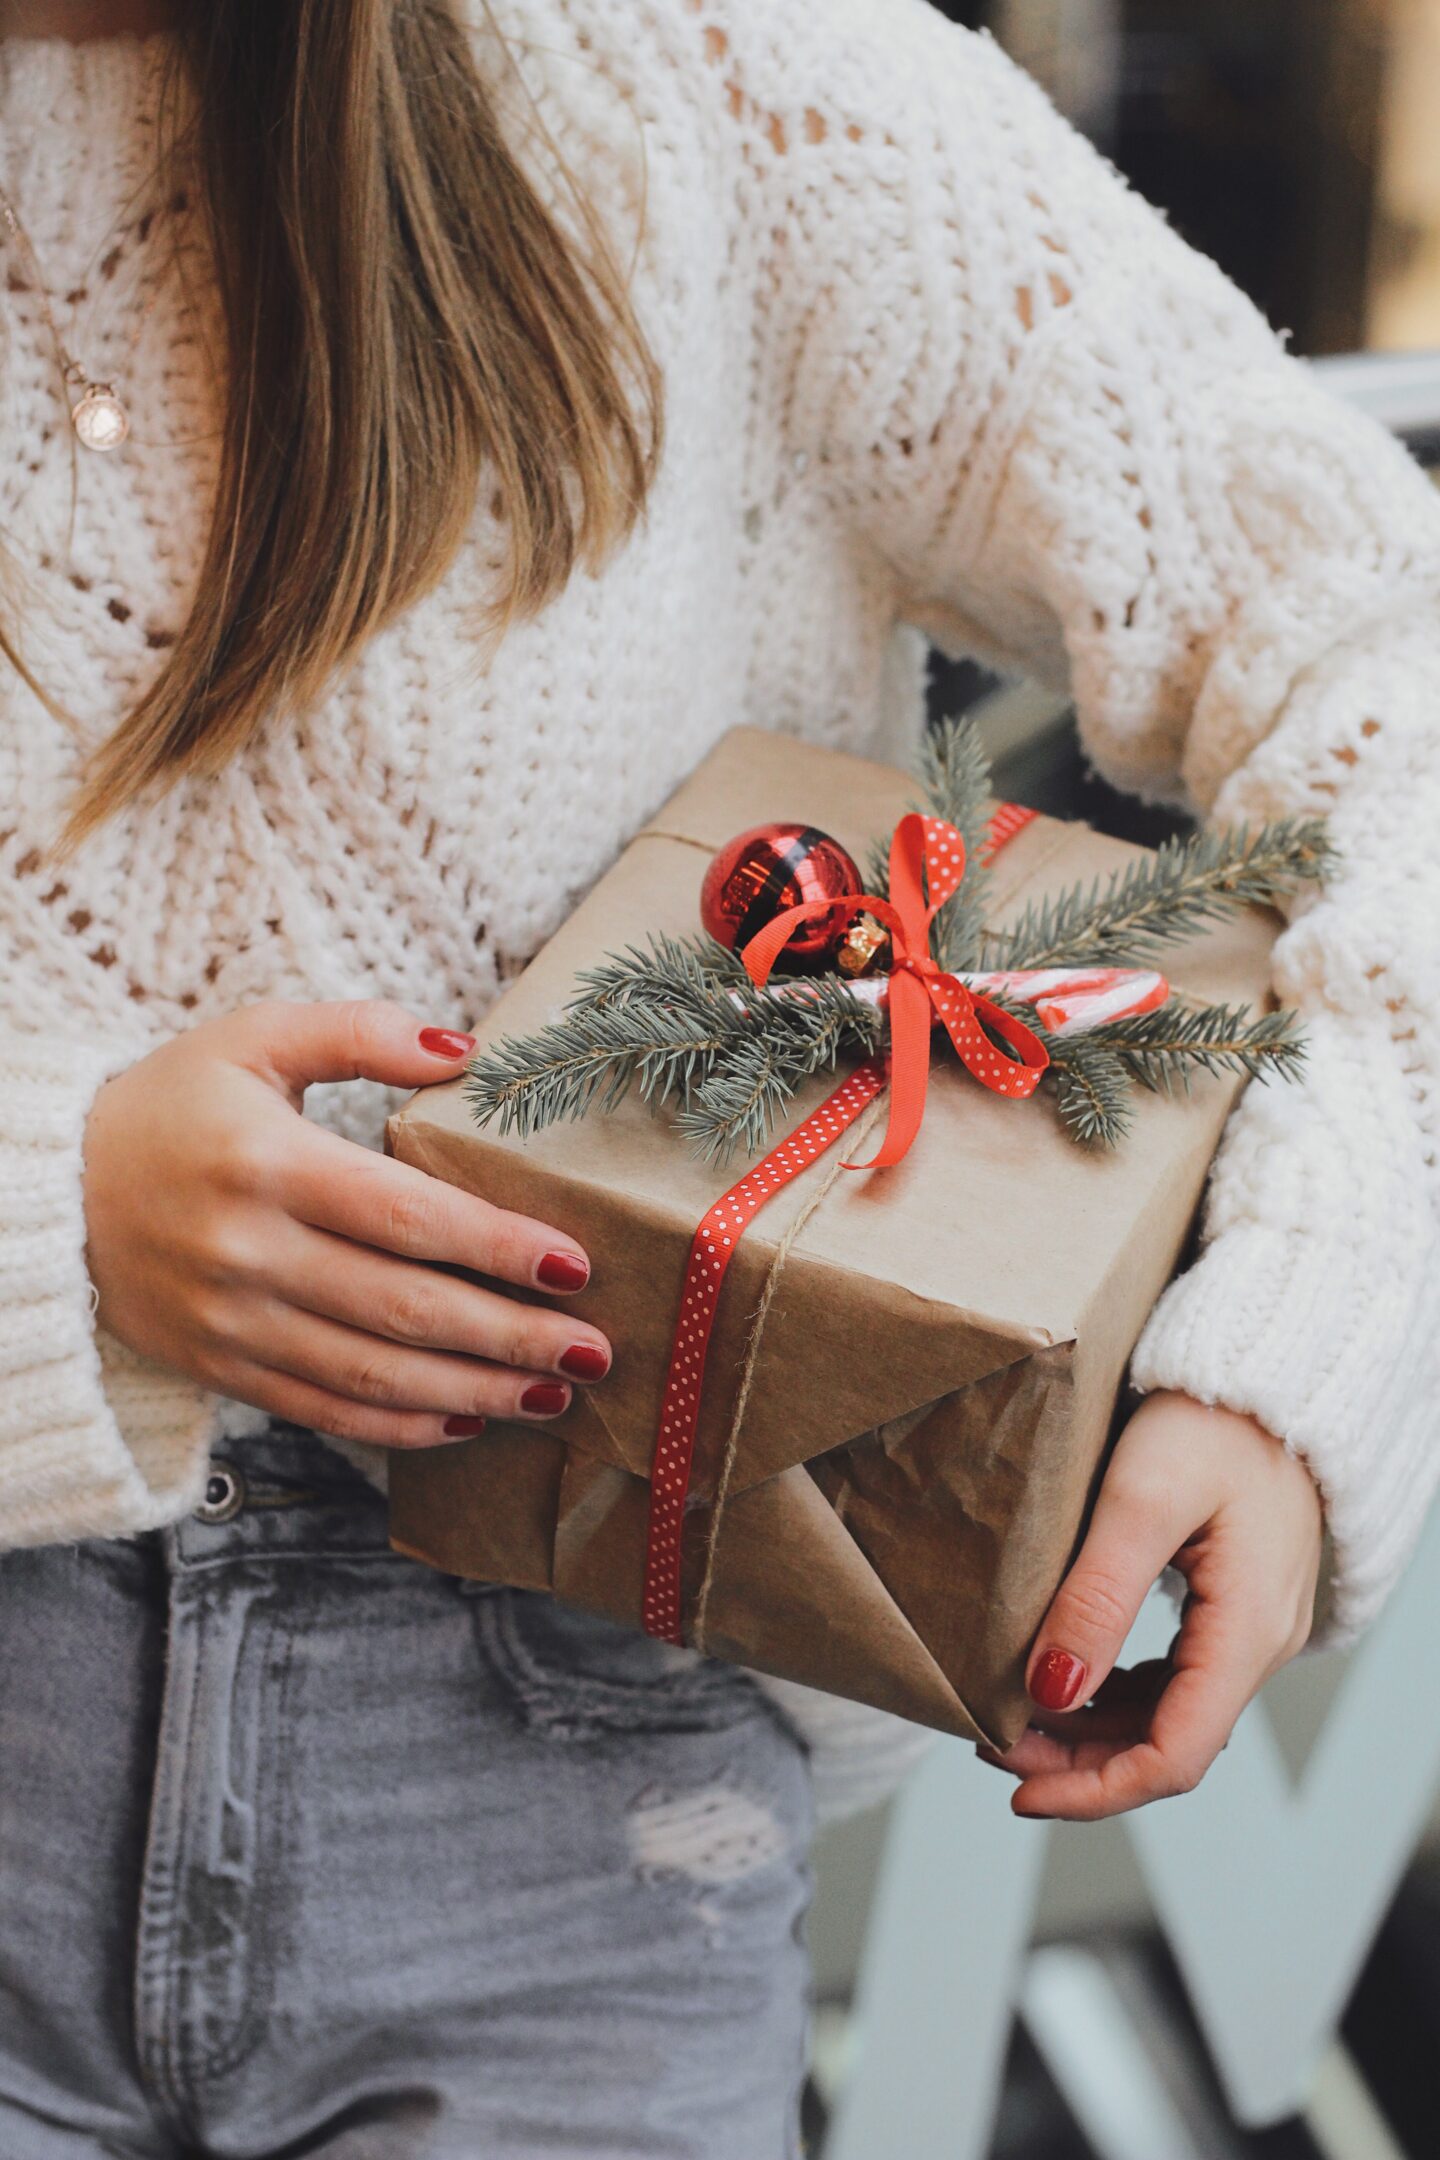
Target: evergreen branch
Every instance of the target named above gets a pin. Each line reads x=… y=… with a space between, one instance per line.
x=799 y=1006
x=678 y=971
x=1090 y=1084
x=743 y=1094
x=594 y=1057
x=670 y=1022
x=1092 y=1092
x=1162 y=1049
x=1092 y=1074
x=955 y=779
x=752 y=1080
x=1179 y=890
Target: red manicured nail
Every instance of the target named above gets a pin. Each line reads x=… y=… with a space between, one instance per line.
x=1057 y=1680
x=463 y=1428
x=584 y=1361
x=563 y=1271
x=545 y=1398
x=447 y=1043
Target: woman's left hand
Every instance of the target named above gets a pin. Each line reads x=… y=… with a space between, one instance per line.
x=1216 y=1496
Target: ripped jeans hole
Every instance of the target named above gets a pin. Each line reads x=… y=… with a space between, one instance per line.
x=714 y=1835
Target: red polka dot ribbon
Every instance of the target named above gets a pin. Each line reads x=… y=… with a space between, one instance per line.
x=1009 y=819
x=710 y=1254
x=927 y=863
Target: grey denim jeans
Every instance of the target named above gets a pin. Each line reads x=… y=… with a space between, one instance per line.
x=308 y=1850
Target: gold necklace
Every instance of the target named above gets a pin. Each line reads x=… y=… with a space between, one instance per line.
x=98 y=414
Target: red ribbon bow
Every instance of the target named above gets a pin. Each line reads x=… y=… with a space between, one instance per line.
x=927 y=857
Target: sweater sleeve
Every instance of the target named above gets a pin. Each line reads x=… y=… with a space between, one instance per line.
x=1081 y=452
x=94 y=1442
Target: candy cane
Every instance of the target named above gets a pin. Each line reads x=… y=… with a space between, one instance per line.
x=1067 y=1001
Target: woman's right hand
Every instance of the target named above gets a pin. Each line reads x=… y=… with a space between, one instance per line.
x=247 y=1247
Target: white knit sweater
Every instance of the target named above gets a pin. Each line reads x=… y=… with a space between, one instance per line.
x=933 y=371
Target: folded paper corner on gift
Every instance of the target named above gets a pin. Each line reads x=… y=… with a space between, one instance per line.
x=794 y=1594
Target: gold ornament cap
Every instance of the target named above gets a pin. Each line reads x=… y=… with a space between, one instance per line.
x=862 y=947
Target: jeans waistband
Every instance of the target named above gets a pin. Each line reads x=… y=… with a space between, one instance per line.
x=281 y=1491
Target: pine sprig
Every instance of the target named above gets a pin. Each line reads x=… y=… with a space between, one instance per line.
x=592 y=1058
x=1166 y=1048
x=749 y=1082
x=1093 y=1091
x=955 y=777
x=680 y=1025
x=672 y=971
x=1175 y=893
x=742 y=1096
x=1093 y=1075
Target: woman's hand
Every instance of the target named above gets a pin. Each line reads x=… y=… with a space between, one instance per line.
x=1217 y=1496
x=247 y=1247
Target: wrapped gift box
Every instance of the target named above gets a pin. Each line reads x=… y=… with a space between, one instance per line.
x=939 y=1370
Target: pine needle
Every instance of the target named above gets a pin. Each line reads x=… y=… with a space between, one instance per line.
x=750 y=1082
x=679 y=1024
x=593 y=1057
x=955 y=776
x=1092 y=1092
x=1164 y=1049
x=671 y=970
x=1176 y=892
x=743 y=1094
x=1093 y=1074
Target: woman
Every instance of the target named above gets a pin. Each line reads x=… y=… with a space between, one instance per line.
x=328 y=689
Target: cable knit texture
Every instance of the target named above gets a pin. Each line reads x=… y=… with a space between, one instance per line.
x=933 y=371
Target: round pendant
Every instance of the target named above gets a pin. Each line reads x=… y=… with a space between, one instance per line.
x=99 y=418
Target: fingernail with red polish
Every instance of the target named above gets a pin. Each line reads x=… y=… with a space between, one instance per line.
x=584 y=1361
x=447 y=1043
x=1057 y=1680
x=463 y=1428
x=563 y=1271
x=545 y=1398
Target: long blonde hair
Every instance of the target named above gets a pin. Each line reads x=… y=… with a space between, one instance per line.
x=401 y=312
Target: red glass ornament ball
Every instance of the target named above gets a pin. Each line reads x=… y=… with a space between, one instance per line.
x=760 y=873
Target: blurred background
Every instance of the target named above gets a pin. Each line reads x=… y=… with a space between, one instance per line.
x=1298 y=143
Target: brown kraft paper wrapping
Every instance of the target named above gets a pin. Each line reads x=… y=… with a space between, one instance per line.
x=939 y=1371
